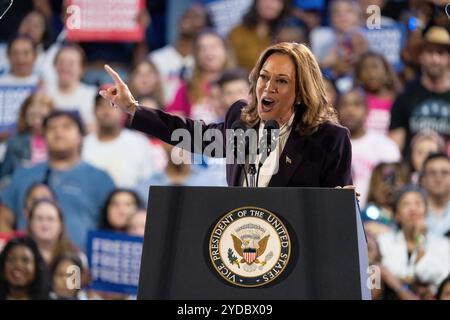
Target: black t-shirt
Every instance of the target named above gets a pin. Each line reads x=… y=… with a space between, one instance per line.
x=417 y=109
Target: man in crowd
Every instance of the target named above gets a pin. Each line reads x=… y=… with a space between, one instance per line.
x=436 y=181
x=123 y=153
x=368 y=148
x=425 y=103
x=79 y=188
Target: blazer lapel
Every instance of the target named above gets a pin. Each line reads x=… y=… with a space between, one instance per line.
x=289 y=160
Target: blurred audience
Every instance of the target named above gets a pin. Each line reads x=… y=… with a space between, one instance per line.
x=386 y=180
x=145 y=82
x=79 y=187
x=435 y=180
x=368 y=147
x=119 y=207
x=381 y=84
x=425 y=102
x=233 y=86
x=27 y=147
x=414 y=255
x=443 y=292
x=422 y=145
x=105 y=148
x=257 y=30
x=68 y=268
x=70 y=93
x=37 y=26
x=46 y=227
x=175 y=61
x=212 y=57
x=340 y=46
x=136 y=223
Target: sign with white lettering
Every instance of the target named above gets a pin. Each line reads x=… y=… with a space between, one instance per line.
x=114 y=261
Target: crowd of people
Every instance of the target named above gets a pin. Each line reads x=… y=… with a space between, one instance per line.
x=70 y=163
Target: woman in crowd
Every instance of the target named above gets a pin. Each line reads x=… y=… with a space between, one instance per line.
x=28 y=146
x=389 y=287
x=46 y=228
x=145 y=82
x=34 y=193
x=381 y=84
x=68 y=268
x=386 y=180
x=340 y=46
x=249 y=39
x=422 y=145
x=211 y=58
x=120 y=205
x=417 y=258
x=36 y=25
x=22 y=271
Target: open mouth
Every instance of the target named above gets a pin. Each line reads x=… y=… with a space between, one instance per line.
x=267 y=104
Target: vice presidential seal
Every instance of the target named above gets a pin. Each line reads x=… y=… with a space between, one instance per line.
x=249 y=247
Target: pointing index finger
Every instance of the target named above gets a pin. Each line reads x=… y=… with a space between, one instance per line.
x=117 y=80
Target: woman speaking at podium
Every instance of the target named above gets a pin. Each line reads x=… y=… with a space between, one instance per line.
x=312 y=149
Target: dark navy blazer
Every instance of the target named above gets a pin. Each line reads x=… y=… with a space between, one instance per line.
x=322 y=159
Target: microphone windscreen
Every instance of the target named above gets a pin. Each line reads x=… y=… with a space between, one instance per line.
x=272 y=125
x=239 y=125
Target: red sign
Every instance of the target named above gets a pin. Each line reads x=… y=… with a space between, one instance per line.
x=104 y=20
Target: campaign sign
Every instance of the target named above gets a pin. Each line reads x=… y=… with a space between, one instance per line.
x=389 y=41
x=114 y=261
x=104 y=20
x=11 y=99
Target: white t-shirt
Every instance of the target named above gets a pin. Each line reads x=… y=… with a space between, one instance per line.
x=11 y=80
x=82 y=100
x=367 y=152
x=170 y=63
x=433 y=267
x=127 y=159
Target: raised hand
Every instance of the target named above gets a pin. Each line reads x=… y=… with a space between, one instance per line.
x=119 y=95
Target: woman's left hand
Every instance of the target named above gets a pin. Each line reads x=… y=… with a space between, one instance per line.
x=350 y=187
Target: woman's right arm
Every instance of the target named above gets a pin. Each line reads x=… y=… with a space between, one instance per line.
x=165 y=126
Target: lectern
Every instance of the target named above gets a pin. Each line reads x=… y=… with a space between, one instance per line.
x=253 y=243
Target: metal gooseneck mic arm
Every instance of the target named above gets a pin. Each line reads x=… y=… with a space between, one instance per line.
x=239 y=145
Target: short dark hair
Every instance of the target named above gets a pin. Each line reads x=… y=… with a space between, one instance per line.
x=434 y=156
x=357 y=89
x=21 y=36
x=407 y=189
x=232 y=75
x=73 y=115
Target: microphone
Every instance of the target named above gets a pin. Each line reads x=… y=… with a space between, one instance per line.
x=270 y=126
x=267 y=142
x=239 y=128
x=240 y=145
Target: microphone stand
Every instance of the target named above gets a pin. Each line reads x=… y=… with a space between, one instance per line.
x=253 y=176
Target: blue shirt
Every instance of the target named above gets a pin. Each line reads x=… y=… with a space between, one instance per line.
x=80 y=192
x=213 y=175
